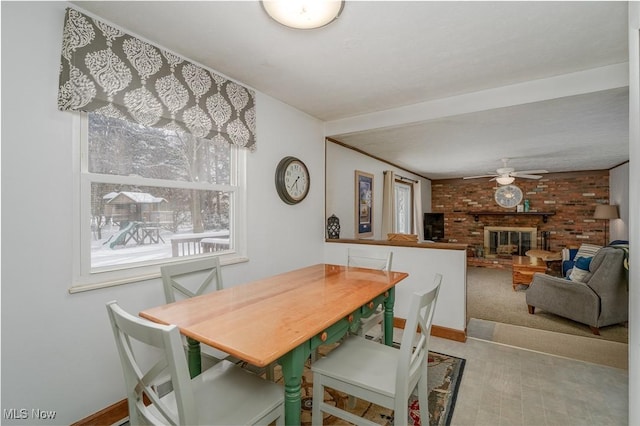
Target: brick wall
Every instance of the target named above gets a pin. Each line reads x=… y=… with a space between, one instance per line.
x=571 y=196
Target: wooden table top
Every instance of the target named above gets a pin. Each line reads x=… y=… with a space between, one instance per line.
x=545 y=255
x=261 y=321
x=528 y=261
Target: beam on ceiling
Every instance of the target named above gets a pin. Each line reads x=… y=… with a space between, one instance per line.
x=572 y=84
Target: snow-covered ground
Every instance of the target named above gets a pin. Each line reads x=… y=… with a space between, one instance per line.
x=103 y=255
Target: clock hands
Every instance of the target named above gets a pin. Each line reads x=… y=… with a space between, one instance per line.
x=295 y=182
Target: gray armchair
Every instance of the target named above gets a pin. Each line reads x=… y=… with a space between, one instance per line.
x=601 y=300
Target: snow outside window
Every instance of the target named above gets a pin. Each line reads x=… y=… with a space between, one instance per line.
x=404 y=207
x=149 y=196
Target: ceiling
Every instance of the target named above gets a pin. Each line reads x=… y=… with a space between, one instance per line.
x=443 y=89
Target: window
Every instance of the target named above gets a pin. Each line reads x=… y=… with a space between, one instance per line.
x=403 y=193
x=148 y=195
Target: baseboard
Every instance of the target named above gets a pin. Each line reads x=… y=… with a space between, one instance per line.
x=449 y=333
x=113 y=414
x=438 y=331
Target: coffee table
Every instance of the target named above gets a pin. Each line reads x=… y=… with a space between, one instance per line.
x=524 y=267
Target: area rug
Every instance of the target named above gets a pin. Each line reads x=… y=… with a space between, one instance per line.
x=445 y=374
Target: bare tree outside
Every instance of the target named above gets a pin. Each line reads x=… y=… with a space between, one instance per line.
x=122 y=148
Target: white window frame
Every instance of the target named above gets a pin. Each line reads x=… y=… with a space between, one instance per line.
x=83 y=278
x=396 y=184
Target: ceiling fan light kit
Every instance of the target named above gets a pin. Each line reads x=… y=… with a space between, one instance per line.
x=303 y=14
x=505 y=180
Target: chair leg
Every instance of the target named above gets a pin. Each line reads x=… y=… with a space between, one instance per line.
x=318 y=398
x=423 y=398
x=595 y=330
x=269 y=372
x=401 y=410
x=532 y=309
x=351 y=402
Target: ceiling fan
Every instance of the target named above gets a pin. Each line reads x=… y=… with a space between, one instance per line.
x=506 y=175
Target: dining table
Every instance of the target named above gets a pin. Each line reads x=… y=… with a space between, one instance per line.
x=283 y=318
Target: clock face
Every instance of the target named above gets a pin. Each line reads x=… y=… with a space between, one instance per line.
x=508 y=196
x=296 y=180
x=292 y=180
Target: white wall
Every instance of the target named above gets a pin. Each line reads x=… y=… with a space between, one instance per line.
x=619 y=195
x=340 y=186
x=422 y=264
x=57 y=349
x=634 y=207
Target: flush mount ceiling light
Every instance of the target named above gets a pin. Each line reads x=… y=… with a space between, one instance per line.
x=303 y=14
x=505 y=180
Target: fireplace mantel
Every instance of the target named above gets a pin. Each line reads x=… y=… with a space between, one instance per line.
x=476 y=215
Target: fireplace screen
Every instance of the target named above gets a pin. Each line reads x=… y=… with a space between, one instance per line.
x=505 y=241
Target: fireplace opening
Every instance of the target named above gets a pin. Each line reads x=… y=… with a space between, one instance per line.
x=503 y=241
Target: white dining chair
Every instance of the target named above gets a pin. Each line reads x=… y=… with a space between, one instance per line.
x=370 y=258
x=225 y=394
x=190 y=278
x=381 y=374
x=373 y=259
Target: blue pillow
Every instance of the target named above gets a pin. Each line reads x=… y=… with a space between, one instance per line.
x=580 y=270
x=583 y=263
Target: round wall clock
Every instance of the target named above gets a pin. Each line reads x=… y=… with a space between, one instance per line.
x=292 y=180
x=508 y=196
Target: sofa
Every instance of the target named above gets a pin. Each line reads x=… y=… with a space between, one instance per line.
x=600 y=296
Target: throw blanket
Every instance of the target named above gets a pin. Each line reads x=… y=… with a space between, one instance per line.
x=625 y=263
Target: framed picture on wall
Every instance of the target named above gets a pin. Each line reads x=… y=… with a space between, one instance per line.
x=364 y=204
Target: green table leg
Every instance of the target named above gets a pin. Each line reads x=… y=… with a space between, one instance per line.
x=193 y=357
x=388 y=317
x=292 y=368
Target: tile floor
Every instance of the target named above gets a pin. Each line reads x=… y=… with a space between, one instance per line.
x=503 y=385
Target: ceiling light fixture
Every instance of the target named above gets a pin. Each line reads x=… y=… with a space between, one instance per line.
x=303 y=14
x=505 y=180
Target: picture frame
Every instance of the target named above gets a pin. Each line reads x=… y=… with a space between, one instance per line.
x=364 y=204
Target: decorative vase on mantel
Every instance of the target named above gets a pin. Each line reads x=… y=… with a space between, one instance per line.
x=333 y=227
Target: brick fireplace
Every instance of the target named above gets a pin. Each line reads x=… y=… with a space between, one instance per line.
x=572 y=197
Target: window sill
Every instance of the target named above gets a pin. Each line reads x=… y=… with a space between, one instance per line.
x=105 y=280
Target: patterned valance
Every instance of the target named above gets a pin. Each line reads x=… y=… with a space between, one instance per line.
x=107 y=71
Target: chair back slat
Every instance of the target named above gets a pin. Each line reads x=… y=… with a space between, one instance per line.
x=413 y=358
x=370 y=258
x=190 y=278
x=141 y=375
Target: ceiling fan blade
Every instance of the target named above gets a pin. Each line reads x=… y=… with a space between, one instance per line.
x=481 y=176
x=529 y=176
x=528 y=172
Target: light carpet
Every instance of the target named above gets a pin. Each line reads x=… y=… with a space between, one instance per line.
x=596 y=351
x=490 y=297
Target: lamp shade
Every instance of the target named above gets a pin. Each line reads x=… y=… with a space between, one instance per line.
x=606 y=211
x=303 y=14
